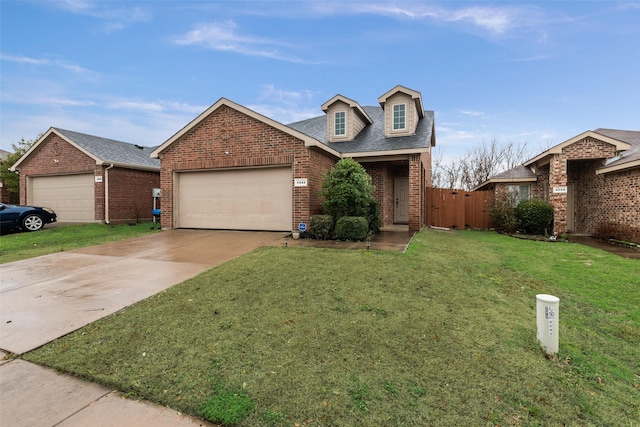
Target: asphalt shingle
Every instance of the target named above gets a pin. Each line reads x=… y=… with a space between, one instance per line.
x=371 y=138
x=112 y=151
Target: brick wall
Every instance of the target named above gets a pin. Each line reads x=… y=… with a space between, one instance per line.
x=228 y=138
x=130 y=197
x=55 y=156
x=586 y=148
x=129 y=189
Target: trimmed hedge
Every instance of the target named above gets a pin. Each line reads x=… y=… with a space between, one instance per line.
x=352 y=228
x=321 y=227
x=534 y=216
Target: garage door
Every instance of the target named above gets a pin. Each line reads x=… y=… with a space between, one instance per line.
x=71 y=196
x=245 y=199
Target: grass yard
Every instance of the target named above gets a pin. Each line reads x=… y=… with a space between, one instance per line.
x=17 y=246
x=443 y=335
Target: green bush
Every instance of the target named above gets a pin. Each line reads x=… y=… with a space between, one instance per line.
x=321 y=227
x=502 y=213
x=352 y=228
x=534 y=216
x=347 y=190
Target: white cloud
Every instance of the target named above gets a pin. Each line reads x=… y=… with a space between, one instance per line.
x=496 y=20
x=67 y=66
x=472 y=113
x=114 y=14
x=223 y=36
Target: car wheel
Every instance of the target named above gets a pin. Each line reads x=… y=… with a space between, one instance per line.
x=32 y=222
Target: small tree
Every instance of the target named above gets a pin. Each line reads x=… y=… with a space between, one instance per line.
x=11 y=180
x=347 y=191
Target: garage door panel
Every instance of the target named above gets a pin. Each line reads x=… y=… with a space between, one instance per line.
x=72 y=197
x=246 y=199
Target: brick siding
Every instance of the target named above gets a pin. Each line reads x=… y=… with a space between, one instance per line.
x=230 y=139
x=129 y=189
x=605 y=205
x=130 y=198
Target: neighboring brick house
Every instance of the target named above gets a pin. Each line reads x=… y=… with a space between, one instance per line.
x=86 y=178
x=232 y=168
x=592 y=180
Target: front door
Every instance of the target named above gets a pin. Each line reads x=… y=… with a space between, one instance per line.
x=401 y=202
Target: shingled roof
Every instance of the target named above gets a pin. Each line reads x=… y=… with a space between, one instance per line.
x=371 y=139
x=627 y=158
x=627 y=141
x=103 y=150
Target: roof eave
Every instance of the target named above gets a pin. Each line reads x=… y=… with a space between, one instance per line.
x=308 y=141
x=503 y=181
x=40 y=140
x=385 y=153
x=557 y=149
x=619 y=167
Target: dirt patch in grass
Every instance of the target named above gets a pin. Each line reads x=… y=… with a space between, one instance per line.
x=441 y=335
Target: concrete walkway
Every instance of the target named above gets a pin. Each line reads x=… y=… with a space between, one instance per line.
x=50 y=296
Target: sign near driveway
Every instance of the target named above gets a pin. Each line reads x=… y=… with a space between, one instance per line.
x=47 y=297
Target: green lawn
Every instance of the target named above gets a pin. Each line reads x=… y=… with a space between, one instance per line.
x=443 y=335
x=17 y=246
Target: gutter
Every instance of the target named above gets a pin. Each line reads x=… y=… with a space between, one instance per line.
x=106 y=193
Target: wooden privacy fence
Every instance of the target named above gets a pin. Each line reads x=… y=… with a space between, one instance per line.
x=458 y=208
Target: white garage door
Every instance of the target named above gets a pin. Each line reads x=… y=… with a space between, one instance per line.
x=70 y=196
x=245 y=199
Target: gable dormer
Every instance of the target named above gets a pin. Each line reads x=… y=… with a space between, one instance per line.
x=402 y=111
x=345 y=118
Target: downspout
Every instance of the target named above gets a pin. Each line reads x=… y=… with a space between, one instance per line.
x=106 y=194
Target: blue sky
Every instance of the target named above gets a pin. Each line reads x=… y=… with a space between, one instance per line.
x=534 y=72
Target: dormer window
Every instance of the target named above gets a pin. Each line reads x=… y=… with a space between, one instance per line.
x=340 y=123
x=399 y=117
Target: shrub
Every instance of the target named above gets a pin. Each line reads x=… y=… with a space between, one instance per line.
x=352 y=228
x=534 y=216
x=502 y=212
x=347 y=190
x=321 y=227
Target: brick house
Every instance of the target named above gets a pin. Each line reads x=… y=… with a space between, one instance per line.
x=592 y=180
x=232 y=168
x=85 y=178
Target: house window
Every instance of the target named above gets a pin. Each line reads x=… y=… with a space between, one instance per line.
x=399 y=117
x=518 y=193
x=340 y=123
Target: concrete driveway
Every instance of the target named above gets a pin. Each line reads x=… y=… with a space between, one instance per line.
x=47 y=297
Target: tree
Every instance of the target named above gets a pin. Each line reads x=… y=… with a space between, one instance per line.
x=478 y=165
x=347 y=190
x=11 y=180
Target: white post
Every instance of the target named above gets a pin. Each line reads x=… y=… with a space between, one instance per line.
x=548 y=314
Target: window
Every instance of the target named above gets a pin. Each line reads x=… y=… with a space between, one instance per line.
x=340 y=123
x=399 y=116
x=518 y=193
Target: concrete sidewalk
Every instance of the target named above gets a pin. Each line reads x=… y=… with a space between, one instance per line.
x=36 y=396
x=50 y=296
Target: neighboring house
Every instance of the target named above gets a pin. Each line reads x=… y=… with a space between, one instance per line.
x=232 y=168
x=86 y=178
x=4 y=194
x=592 y=180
